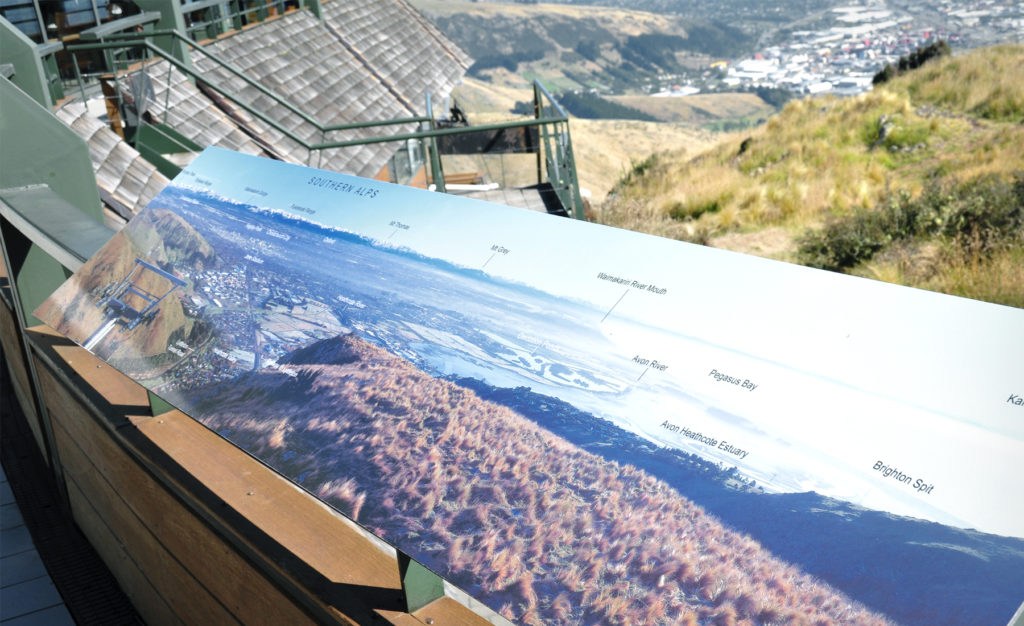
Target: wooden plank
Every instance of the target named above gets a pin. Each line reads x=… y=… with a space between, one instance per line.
x=348 y=561
x=342 y=570
x=10 y=339
x=317 y=536
x=6 y=297
x=107 y=383
x=144 y=597
x=189 y=598
x=27 y=404
x=447 y=611
x=242 y=592
x=441 y=611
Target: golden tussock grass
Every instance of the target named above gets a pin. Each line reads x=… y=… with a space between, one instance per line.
x=995 y=278
x=549 y=531
x=819 y=159
x=988 y=83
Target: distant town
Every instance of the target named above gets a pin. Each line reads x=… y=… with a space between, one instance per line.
x=849 y=47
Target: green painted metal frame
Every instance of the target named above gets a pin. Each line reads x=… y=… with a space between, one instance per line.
x=549 y=115
x=171 y=20
x=130 y=40
x=36 y=218
x=17 y=251
x=153 y=141
x=437 y=173
x=561 y=162
x=64 y=232
x=106 y=29
x=233 y=11
x=558 y=159
x=420 y=586
x=556 y=140
x=52 y=217
x=38 y=149
x=34 y=66
x=100 y=32
x=195 y=46
x=44 y=238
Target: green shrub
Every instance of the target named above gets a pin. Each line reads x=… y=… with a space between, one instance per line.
x=916 y=59
x=983 y=215
x=907 y=133
x=979 y=217
x=844 y=243
x=638 y=170
x=693 y=210
x=588 y=49
x=591 y=106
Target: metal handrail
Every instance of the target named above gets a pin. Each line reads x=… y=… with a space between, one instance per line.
x=437 y=132
x=232 y=11
x=550 y=116
x=191 y=43
x=554 y=103
x=326 y=145
x=107 y=29
x=189 y=71
x=560 y=162
x=192 y=7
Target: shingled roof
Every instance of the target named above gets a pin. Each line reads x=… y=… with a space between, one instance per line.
x=126 y=180
x=368 y=61
x=399 y=45
x=302 y=62
x=182 y=106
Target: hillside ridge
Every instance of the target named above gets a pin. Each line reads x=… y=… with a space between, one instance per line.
x=950 y=129
x=538 y=528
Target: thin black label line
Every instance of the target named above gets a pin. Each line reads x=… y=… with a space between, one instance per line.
x=614 y=305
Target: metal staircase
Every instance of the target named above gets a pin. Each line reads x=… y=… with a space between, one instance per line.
x=312 y=85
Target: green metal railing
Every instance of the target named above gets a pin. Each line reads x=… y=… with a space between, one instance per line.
x=30 y=65
x=47 y=52
x=117 y=46
x=551 y=119
x=560 y=161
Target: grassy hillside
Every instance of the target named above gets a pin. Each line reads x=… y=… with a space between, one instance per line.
x=540 y=529
x=751 y=16
x=605 y=149
x=701 y=109
x=581 y=46
x=573 y=47
x=917 y=182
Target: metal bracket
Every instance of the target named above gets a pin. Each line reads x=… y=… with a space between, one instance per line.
x=420 y=586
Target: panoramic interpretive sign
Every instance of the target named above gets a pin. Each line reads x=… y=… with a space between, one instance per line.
x=575 y=423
